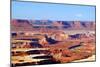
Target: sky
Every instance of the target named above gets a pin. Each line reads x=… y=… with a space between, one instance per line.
x=50 y=11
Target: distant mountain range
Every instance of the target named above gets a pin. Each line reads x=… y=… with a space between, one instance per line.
x=30 y=25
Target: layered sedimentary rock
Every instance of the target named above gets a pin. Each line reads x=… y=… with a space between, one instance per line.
x=31 y=25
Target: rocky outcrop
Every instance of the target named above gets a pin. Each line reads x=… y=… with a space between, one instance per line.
x=29 y=25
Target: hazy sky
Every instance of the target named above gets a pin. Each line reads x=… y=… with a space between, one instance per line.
x=43 y=11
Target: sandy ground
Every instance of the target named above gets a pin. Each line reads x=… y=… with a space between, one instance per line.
x=92 y=58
